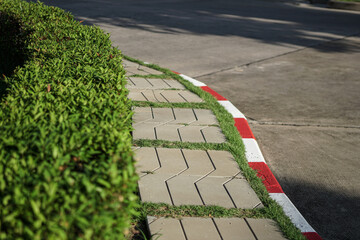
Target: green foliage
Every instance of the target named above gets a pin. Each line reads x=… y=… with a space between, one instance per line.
x=66 y=165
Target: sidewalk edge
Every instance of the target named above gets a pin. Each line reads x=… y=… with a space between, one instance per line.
x=257 y=162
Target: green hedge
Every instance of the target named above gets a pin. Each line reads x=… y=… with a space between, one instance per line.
x=66 y=165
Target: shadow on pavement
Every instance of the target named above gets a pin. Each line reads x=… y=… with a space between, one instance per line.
x=333 y=215
x=265 y=21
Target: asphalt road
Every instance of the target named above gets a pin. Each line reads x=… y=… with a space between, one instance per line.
x=291 y=68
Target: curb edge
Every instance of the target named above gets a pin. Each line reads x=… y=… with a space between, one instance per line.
x=257 y=162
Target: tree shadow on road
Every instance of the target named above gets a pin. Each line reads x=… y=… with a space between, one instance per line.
x=334 y=216
x=278 y=23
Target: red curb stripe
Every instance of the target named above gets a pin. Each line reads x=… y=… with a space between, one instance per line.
x=268 y=179
x=243 y=127
x=212 y=92
x=312 y=236
x=176 y=72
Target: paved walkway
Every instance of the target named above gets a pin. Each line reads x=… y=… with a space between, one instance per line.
x=186 y=176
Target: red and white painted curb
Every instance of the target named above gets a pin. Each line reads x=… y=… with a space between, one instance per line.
x=257 y=162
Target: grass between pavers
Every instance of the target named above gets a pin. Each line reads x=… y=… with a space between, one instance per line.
x=66 y=164
x=234 y=145
x=165 y=210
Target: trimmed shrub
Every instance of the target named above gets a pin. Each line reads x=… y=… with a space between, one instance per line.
x=66 y=165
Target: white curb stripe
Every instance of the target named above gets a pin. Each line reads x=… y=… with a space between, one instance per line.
x=232 y=109
x=292 y=212
x=193 y=81
x=252 y=150
x=253 y=154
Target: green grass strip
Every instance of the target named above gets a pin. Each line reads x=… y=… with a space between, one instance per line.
x=165 y=210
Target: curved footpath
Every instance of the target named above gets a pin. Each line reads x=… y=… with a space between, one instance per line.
x=178 y=176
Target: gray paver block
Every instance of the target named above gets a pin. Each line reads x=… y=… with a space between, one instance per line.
x=183 y=190
x=152 y=188
x=234 y=229
x=142 y=114
x=197 y=228
x=193 y=176
x=200 y=228
x=213 y=192
x=180 y=96
x=213 y=134
x=199 y=162
x=184 y=116
x=242 y=194
x=165 y=229
x=172 y=96
x=152 y=83
x=162 y=115
x=205 y=117
x=225 y=164
x=135 y=68
x=191 y=134
x=168 y=132
x=172 y=161
x=147 y=161
x=127 y=63
x=265 y=229
x=145 y=131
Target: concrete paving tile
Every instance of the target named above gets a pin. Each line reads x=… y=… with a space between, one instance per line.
x=171 y=160
x=178 y=96
x=197 y=228
x=191 y=134
x=135 y=71
x=155 y=95
x=265 y=229
x=162 y=115
x=213 y=134
x=137 y=82
x=152 y=83
x=144 y=131
x=132 y=68
x=242 y=194
x=127 y=63
x=213 y=192
x=205 y=117
x=234 y=229
x=152 y=188
x=146 y=95
x=184 y=116
x=137 y=95
x=225 y=164
x=199 y=163
x=168 y=132
x=142 y=114
x=150 y=70
x=183 y=190
x=174 y=84
x=166 y=228
x=147 y=161
x=200 y=228
x=145 y=83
